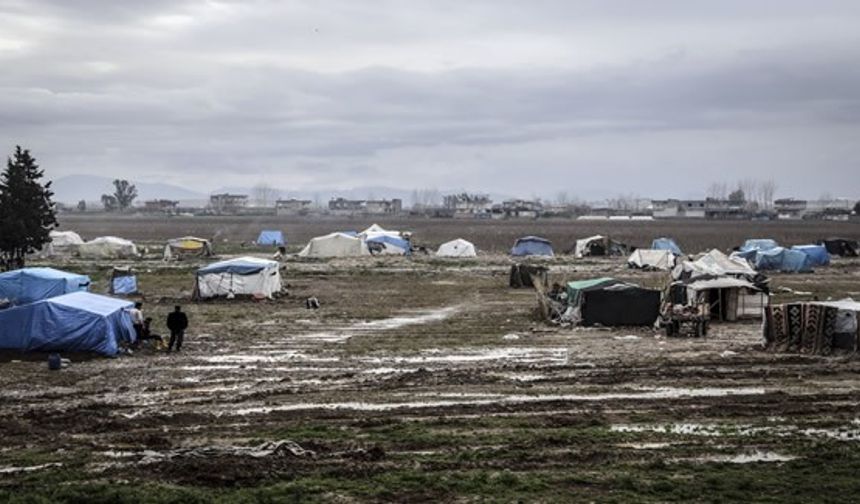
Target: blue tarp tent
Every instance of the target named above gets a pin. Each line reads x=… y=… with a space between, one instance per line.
x=782 y=259
x=271 y=238
x=389 y=245
x=666 y=244
x=123 y=281
x=532 y=246
x=29 y=285
x=76 y=322
x=759 y=244
x=818 y=254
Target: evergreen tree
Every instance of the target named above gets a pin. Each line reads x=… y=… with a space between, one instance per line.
x=27 y=213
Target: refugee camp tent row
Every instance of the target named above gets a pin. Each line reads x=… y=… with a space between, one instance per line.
x=532 y=246
x=29 y=285
x=610 y=302
x=651 y=260
x=457 y=248
x=335 y=245
x=108 y=247
x=817 y=328
x=270 y=238
x=241 y=276
x=187 y=246
x=74 y=322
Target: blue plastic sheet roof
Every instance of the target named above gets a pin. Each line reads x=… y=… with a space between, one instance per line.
x=270 y=237
x=532 y=245
x=666 y=244
x=76 y=322
x=238 y=266
x=29 y=285
x=782 y=259
x=818 y=254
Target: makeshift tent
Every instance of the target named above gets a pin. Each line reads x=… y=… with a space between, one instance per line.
x=29 y=285
x=123 y=281
x=187 y=246
x=777 y=259
x=666 y=244
x=240 y=276
x=813 y=328
x=335 y=245
x=270 y=238
x=610 y=302
x=75 y=322
x=817 y=254
x=532 y=246
x=107 y=247
x=721 y=298
x=527 y=275
x=598 y=246
x=841 y=247
x=650 y=259
x=457 y=248
x=385 y=244
x=759 y=244
x=63 y=243
x=714 y=264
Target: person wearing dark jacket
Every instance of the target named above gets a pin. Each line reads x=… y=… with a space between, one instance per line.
x=177 y=322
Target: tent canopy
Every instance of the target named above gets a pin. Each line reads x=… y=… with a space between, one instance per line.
x=457 y=248
x=818 y=255
x=666 y=244
x=532 y=246
x=335 y=245
x=598 y=245
x=29 y=285
x=782 y=259
x=651 y=259
x=107 y=247
x=76 y=322
x=387 y=244
x=713 y=264
x=243 y=275
x=610 y=302
x=239 y=266
x=759 y=244
x=270 y=237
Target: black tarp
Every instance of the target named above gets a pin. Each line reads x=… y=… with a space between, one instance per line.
x=524 y=275
x=620 y=305
x=841 y=247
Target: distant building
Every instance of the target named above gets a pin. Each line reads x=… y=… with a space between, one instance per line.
x=518 y=209
x=227 y=203
x=343 y=206
x=790 y=208
x=678 y=209
x=464 y=205
x=382 y=207
x=292 y=207
x=160 y=205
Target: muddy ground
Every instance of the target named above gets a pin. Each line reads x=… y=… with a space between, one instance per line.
x=427 y=380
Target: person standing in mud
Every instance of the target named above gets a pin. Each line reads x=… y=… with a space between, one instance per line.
x=137 y=321
x=177 y=322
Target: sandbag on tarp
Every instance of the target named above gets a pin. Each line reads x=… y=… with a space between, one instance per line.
x=532 y=246
x=666 y=244
x=818 y=255
x=29 y=285
x=270 y=238
x=76 y=322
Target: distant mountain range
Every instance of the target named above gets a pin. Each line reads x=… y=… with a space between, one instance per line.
x=74 y=188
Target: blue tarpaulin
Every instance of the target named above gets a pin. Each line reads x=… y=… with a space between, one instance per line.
x=76 y=322
x=666 y=244
x=271 y=238
x=782 y=259
x=124 y=285
x=29 y=285
x=392 y=244
x=818 y=254
x=532 y=246
x=759 y=244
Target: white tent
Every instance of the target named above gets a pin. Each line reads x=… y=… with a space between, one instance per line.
x=714 y=263
x=107 y=247
x=650 y=259
x=335 y=245
x=457 y=248
x=243 y=275
x=62 y=243
x=581 y=249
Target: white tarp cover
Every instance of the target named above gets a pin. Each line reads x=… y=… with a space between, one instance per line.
x=652 y=259
x=62 y=243
x=335 y=245
x=107 y=247
x=457 y=248
x=582 y=245
x=714 y=263
x=243 y=275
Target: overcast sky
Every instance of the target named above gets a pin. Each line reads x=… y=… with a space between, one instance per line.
x=656 y=98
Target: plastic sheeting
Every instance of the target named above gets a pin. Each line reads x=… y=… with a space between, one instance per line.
x=240 y=276
x=666 y=244
x=388 y=245
x=532 y=246
x=29 y=285
x=271 y=238
x=650 y=259
x=335 y=245
x=759 y=244
x=76 y=322
x=187 y=246
x=781 y=259
x=457 y=248
x=108 y=247
x=818 y=254
x=124 y=285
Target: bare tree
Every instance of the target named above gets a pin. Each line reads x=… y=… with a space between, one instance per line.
x=768 y=189
x=265 y=195
x=425 y=198
x=718 y=191
x=562 y=199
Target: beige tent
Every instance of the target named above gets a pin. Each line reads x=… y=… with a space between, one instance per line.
x=108 y=247
x=335 y=245
x=457 y=248
x=63 y=243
